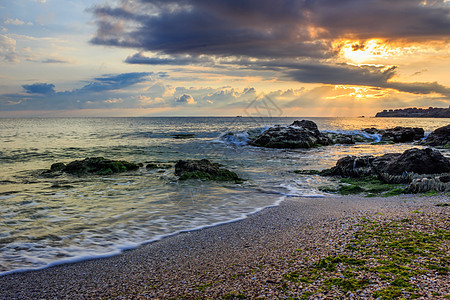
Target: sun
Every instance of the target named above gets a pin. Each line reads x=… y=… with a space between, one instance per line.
x=366 y=52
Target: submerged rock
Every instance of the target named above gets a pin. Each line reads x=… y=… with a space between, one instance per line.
x=300 y=134
x=439 y=138
x=204 y=169
x=403 y=134
x=92 y=165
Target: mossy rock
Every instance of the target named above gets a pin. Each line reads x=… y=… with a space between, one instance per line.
x=93 y=165
x=204 y=170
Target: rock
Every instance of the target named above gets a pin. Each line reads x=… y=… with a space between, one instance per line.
x=394 y=167
x=339 y=138
x=56 y=167
x=151 y=166
x=428 y=184
x=204 y=169
x=92 y=165
x=352 y=166
x=310 y=125
x=403 y=134
x=301 y=134
x=440 y=137
x=444 y=178
x=373 y=130
x=183 y=136
x=419 y=161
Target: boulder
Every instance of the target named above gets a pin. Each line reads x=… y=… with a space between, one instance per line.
x=439 y=138
x=352 y=166
x=339 y=138
x=403 y=134
x=92 y=165
x=373 y=130
x=394 y=167
x=204 y=169
x=310 y=125
x=300 y=134
x=419 y=161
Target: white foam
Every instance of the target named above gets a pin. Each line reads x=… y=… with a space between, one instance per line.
x=130 y=246
x=376 y=137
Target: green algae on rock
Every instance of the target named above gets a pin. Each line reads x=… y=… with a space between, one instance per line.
x=92 y=165
x=205 y=170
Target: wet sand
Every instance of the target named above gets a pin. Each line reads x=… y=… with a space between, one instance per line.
x=247 y=257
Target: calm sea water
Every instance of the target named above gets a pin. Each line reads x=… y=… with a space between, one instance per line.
x=47 y=221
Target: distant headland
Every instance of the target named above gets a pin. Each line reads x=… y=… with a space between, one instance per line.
x=431 y=112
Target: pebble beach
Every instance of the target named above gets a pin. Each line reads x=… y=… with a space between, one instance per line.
x=254 y=258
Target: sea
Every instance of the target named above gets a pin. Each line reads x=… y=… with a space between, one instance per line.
x=49 y=221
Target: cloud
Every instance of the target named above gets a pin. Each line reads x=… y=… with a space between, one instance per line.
x=186 y=99
x=55 y=60
x=264 y=28
x=109 y=90
x=140 y=58
x=114 y=82
x=16 y=22
x=39 y=88
x=361 y=75
x=8 y=49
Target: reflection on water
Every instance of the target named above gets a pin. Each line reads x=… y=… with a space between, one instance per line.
x=50 y=219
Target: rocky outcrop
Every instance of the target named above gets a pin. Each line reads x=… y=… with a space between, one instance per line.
x=300 y=134
x=92 y=165
x=204 y=169
x=393 y=167
x=419 y=161
x=403 y=134
x=439 y=138
x=352 y=166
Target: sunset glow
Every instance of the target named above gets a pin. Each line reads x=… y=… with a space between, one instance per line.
x=150 y=58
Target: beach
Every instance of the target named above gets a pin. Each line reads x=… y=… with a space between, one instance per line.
x=250 y=258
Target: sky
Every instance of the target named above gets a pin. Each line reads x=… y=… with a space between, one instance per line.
x=309 y=58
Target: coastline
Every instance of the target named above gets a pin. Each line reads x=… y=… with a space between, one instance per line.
x=249 y=255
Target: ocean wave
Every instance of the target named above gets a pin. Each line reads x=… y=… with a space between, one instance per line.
x=376 y=137
x=241 y=138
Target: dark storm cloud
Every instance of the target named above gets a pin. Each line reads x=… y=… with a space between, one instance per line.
x=225 y=28
x=265 y=28
x=39 y=88
x=399 y=19
x=361 y=75
x=141 y=59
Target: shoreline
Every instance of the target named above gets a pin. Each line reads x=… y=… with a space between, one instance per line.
x=122 y=249
x=218 y=260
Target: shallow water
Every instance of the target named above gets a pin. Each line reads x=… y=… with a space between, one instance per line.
x=48 y=220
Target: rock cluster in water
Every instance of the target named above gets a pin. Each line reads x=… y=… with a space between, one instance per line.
x=92 y=165
x=300 y=134
x=423 y=169
x=204 y=169
x=403 y=134
x=305 y=134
